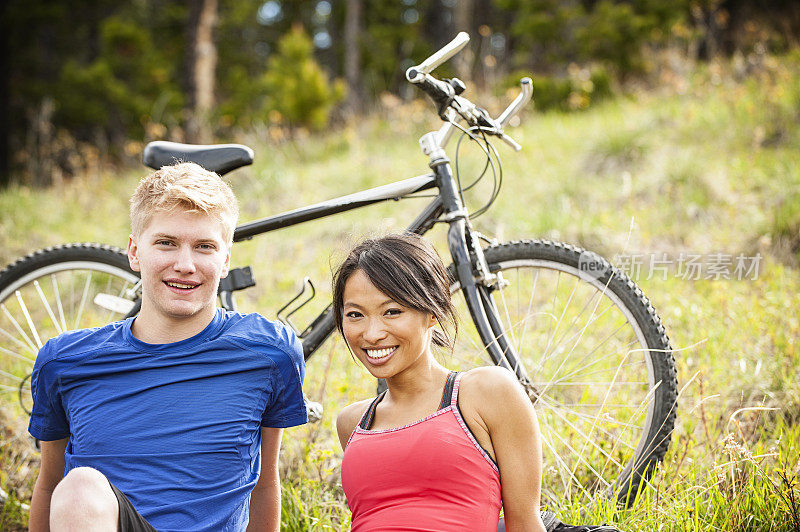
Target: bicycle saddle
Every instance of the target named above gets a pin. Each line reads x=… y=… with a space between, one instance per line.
x=219 y=158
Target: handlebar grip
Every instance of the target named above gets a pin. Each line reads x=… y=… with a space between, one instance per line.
x=519 y=102
x=446 y=52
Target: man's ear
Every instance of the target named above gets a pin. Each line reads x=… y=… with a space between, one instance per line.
x=227 y=265
x=133 y=254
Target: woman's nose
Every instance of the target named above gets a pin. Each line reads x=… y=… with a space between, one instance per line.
x=375 y=331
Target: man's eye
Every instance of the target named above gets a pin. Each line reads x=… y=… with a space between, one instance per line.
x=207 y=246
x=163 y=243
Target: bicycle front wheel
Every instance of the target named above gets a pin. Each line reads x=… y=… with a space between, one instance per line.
x=599 y=363
x=48 y=292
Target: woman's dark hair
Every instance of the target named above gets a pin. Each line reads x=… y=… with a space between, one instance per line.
x=406 y=268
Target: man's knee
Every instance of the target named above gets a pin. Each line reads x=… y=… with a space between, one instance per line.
x=83 y=495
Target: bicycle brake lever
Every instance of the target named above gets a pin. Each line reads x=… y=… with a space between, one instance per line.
x=511 y=142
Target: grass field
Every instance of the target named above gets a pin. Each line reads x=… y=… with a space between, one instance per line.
x=708 y=170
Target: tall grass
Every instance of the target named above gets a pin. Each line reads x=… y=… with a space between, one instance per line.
x=711 y=169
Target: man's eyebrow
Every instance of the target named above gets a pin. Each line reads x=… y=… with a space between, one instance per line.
x=203 y=240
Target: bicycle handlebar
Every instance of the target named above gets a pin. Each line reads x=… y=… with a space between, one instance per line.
x=443 y=93
x=524 y=96
x=446 y=52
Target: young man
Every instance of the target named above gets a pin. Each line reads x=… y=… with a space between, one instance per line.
x=170 y=420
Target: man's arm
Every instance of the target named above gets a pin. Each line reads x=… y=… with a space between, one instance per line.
x=51 y=472
x=265 y=501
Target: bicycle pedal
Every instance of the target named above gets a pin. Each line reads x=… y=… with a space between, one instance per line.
x=314 y=410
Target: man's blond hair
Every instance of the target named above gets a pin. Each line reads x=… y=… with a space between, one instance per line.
x=187 y=187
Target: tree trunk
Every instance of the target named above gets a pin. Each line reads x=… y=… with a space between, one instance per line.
x=201 y=69
x=5 y=107
x=352 y=55
x=462 y=16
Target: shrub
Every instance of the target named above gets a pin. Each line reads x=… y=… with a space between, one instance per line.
x=296 y=85
x=579 y=90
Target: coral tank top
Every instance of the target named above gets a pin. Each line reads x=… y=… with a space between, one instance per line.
x=431 y=475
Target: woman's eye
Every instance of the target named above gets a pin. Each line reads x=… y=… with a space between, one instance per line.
x=393 y=311
x=353 y=314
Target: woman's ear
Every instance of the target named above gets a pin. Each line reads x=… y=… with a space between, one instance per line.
x=432 y=321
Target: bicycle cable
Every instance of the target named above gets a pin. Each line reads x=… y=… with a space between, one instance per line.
x=497 y=171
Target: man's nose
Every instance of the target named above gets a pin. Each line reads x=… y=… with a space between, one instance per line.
x=184 y=261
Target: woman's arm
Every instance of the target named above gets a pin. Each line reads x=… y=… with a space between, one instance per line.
x=51 y=471
x=493 y=397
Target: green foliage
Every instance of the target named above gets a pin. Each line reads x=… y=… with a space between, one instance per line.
x=579 y=90
x=785 y=227
x=610 y=31
x=311 y=505
x=119 y=89
x=296 y=86
x=13 y=518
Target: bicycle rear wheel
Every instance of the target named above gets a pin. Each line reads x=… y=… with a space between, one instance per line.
x=48 y=292
x=602 y=374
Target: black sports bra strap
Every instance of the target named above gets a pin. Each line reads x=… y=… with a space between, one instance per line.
x=369 y=415
x=448 y=390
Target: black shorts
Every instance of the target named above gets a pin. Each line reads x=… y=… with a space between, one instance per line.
x=129 y=519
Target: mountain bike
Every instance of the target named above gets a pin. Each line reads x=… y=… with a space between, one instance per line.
x=581 y=337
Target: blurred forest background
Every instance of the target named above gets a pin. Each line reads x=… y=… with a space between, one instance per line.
x=93 y=80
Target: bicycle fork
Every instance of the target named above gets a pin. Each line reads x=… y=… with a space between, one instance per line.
x=476 y=280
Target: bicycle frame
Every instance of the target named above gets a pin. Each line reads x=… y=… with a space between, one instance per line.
x=472 y=272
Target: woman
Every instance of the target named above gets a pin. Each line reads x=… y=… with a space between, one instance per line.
x=438 y=450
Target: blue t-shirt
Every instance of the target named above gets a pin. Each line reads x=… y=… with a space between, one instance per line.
x=176 y=427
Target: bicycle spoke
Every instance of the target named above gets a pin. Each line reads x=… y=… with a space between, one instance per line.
x=550 y=332
x=17 y=326
x=528 y=311
x=17 y=341
x=512 y=340
x=555 y=405
x=563 y=312
x=588 y=439
x=10 y=375
x=575 y=319
x=59 y=306
x=636 y=413
x=593 y=319
x=83 y=299
x=583 y=459
x=14 y=354
x=564 y=468
x=27 y=315
x=47 y=307
x=585 y=437
x=597 y=360
x=11 y=388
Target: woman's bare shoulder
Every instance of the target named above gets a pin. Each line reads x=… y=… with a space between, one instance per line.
x=489 y=381
x=349 y=417
x=492 y=390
